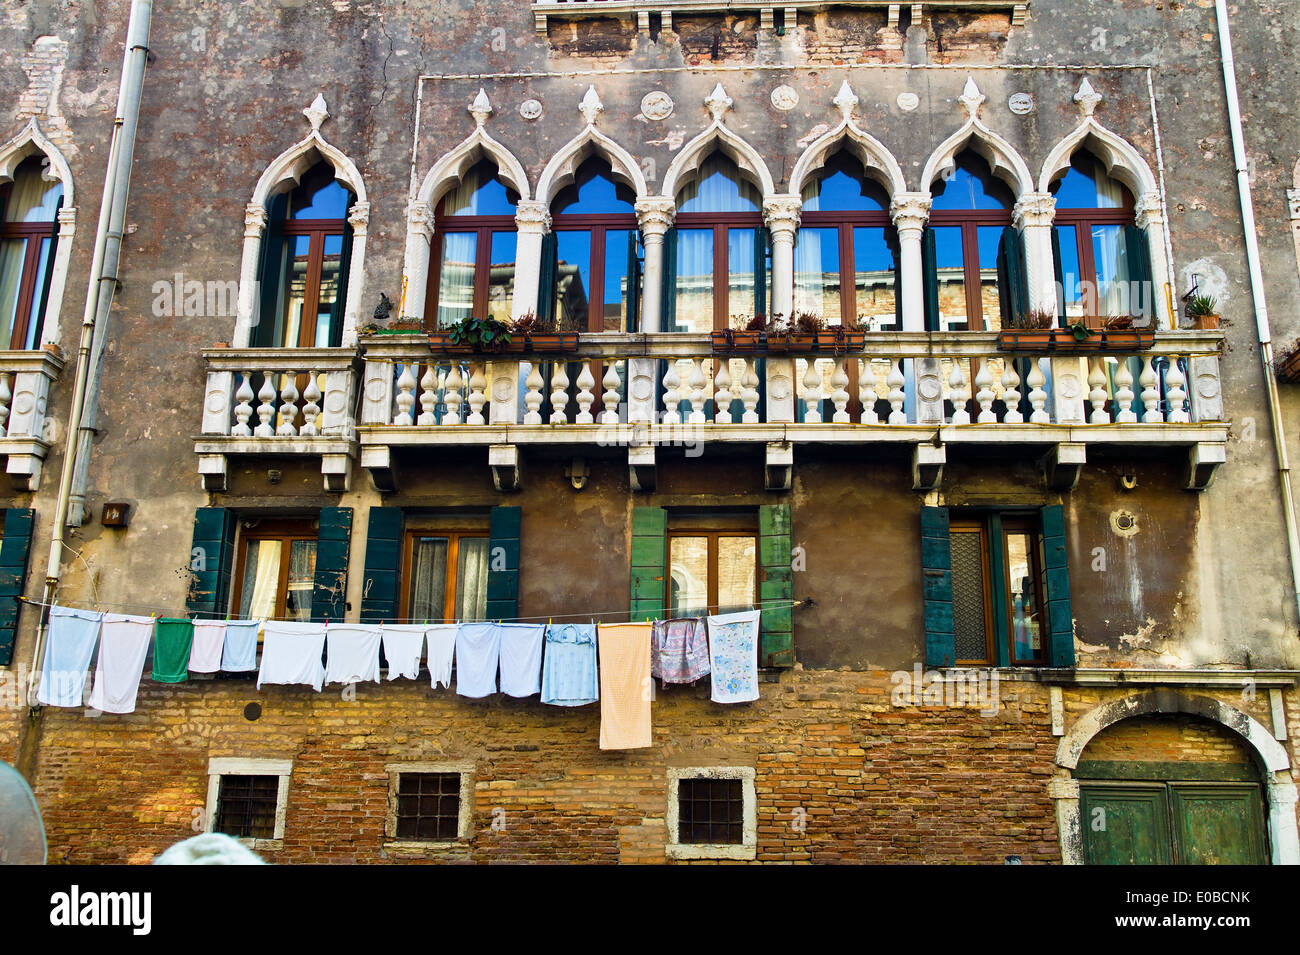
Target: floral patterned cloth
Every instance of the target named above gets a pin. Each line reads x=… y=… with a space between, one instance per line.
x=733 y=655
x=679 y=651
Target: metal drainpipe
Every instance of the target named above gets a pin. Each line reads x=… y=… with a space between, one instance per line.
x=1257 y=291
x=103 y=283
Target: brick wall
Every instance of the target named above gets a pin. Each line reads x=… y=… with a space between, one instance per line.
x=1165 y=739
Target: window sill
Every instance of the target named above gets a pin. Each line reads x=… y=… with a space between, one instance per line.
x=262 y=845
x=417 y=850
x=742 y=853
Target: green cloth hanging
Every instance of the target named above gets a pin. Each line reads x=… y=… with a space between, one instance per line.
x=171 y=650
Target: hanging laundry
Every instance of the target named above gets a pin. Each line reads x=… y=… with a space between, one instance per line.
x=123 y=646
x=173 y=638
x=569 y=672
x=403 y=648
x=69 y=646
x=291 y=653
x=442 y=647
x=624 y=685
x=239 y=653
x=209 y=640
x=521 y=658
x=733 y=655
x=679 y=652
x=478 y=650
x=352 y=653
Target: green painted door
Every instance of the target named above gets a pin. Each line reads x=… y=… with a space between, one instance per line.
x=1125 y=825
x=1221 y=824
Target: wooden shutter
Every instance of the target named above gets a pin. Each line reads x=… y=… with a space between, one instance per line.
x=333 y=540
x=335 y=334
x=1060 y=619
x=936 y=580
x=633 y=282
x=930 y=280
x=503 y=563
x=776 y=586
x=14 y=550
x=1060 y=279
x=268 y=272
x=649 y=563
x=668 y=301
x=762 y=240
x=546 y=280
x=1013 y=299
x=380 y=588
x=1138 y=252
x=212 y=553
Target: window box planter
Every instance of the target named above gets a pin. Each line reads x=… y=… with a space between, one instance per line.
x=737 y=340
x=551 y=342
x=1064 y=340
x=442 y=342
x=830 y=340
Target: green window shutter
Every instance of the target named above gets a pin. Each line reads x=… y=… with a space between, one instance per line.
x=936 y=580
x=1060 y=618
x=1013 y=298
x=762 y=243
x=668 y=302
x=14 y=550
x=212 y=553
x=335 y=334
x=1060 y=276
x=776 y=585
x=546 y=279
x=649 y=563
x=380 y=597
x=503 y=563
x=1138 y=252
x=269 y=272
x=930 y=280
x=333 y=540
x=634 y=282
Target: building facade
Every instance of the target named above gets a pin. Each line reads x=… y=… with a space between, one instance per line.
x=1020 y=601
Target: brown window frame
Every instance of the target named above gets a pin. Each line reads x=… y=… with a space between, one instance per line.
x=720 y=222
x=597 y=225
x=33 y=232
x=1082 y=221
x=286 y=530
x=845 y=223
x=1020 y=524
x=454 y=534
x=998 y=632
x=317 y=230
x=711 y=527
x=970 y=222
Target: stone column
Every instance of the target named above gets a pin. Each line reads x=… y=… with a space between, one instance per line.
x=67 y=219
x=654 y=215
x=1033 y=215
x=910 y=211
x=419 y=244
x=1282 y=823
x=1064 y=791
x=1149 y=214
x=532 y=220
x=254 y=230
x=781 y=216
x=359 y=219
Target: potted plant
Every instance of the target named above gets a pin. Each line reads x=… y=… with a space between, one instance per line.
x=1032 y=331
x=1118 y=334
x=474 y=335
x=800 y=334
x=750 y=338
x=1204 y=311
x=538 y=335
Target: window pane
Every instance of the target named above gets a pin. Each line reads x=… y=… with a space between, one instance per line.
x=720 y=187
x=990 y=296
x=573 y=279
x=688 y=574
x=1026 y=622
x=737 y=559
x=1108 y=255
x=320 y=195
x=968 y=596
x=694 y=280
x=34 y=317
x=1087 y=186
x=456 y=277
x=471 y=579
x=428 y=578
x=740 y=281
x=480 y=193
x=1067 y=239
x=297 y=252
x=844 y=187
x=817 y=273
x=302 y=575
x=31 y=198
x=501 y=276
x=329 y=287
x=12 y=254
x=874 y=272
x=971 y=186
x=952 y=278
x=261 y=580
x=620 y=247
x=594 y=192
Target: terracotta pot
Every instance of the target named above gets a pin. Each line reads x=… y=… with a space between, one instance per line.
x=1207 y=321
x=553 y=341
x=737 y=340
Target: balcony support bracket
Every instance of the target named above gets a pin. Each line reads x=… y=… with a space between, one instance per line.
x=927 y=466
x=778 y=467
x=641 y=467
x=503 y=459
x=1062 y=464
x=1203 y=460
x=378 y=460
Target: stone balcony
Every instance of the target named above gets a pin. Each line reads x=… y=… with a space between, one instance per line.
x=26 y=432
x=931 y=391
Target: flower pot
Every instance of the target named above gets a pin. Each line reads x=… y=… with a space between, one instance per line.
x=1131 y=339
x=737 y=340
x=839 y=339
x=1206 y=321
x=1027 y=339
x=552 y=341
x=441 y=342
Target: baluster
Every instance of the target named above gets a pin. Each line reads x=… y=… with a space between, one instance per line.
x=895 y=382
x=243 y=410
x=867 y=392
x=722 y=394
x=1175 y=394
x=812 y=393
x=288 y=399
x=405 y=397
x=610 y=397
x=477 y=394
x=559 y=394
x=6 y=395
x=697 y=383
x=586 y=381
x=749 y=393
x=1150 y=395
x=311 y=406
x=960 y=392
x=1097 y=391
x=533 y=395
x=1011 y=392
x=840 y=395
x=672 y=394
x=984 y=394
x=1037 y=396
x=428 y=397
x=1124 y=392
x=265 y=411
x=451 y=396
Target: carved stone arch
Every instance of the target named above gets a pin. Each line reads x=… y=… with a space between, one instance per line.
x=876 y=159
x=717 y=137
x=563 y=167
x=1122 y=161
x=451 y=168
x=288 y=168
x=32 y=142
x=1003 y=159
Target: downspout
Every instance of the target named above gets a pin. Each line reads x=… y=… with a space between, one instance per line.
x=1257 y=292
x=99 y=294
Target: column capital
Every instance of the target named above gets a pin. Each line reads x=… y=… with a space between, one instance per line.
x=1034 y=209
x=655 y=214
x=419 y=218
x=359 y=217
x=910 y=211
x=532 y=215
x=1148 y=210
x=781 y=213
x=254 y=220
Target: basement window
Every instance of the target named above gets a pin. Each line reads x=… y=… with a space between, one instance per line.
x=247 y=799
x=430 y=807
x=712 y=813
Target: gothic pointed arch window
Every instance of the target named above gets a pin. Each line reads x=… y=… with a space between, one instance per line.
x=305 y=263
x=591 y=262
x=846 y=253
x=718 y=254
x=29 y=208
x=473 y=271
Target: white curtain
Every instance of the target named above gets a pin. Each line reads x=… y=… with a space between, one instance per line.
x=472 y=574
x=809 y=280
x=694 y=280
x=263 y=566
x=11 y=274
x=429 y=577
x=456 y=277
